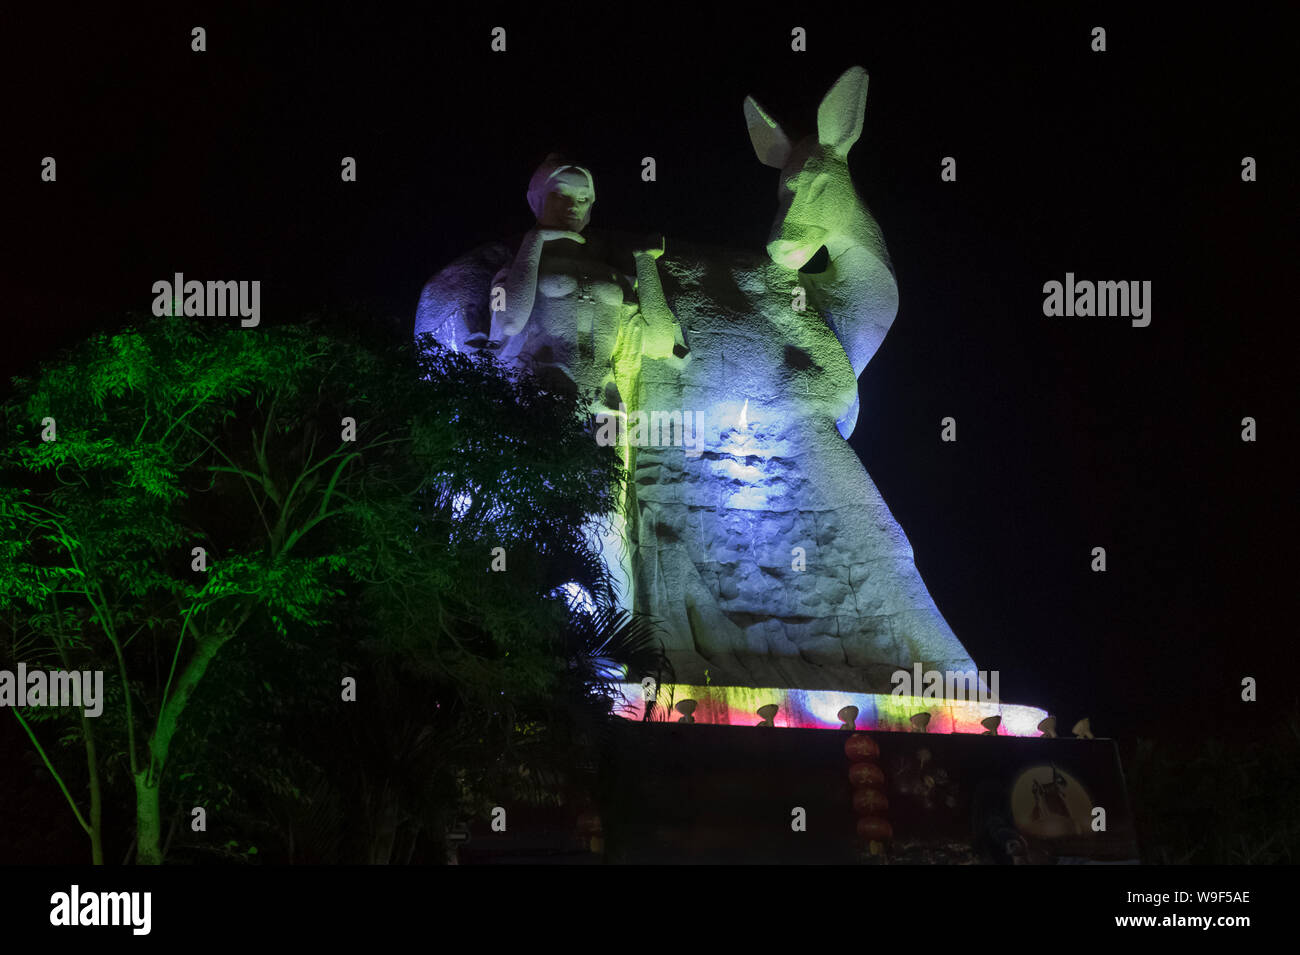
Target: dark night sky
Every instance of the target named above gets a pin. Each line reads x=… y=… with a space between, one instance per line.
x=1073 y=433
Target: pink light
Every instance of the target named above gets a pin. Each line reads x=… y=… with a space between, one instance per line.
x=816 y=709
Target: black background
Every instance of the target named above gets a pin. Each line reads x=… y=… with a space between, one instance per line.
x=1073 y=432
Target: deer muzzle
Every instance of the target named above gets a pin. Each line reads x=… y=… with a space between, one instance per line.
x=796 y=246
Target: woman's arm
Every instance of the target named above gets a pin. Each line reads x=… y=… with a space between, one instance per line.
x=661 y=325
x=521 y=282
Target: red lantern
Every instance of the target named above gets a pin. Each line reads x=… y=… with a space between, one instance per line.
x=867 y=802
x=875 y=829
x=861 y=746
x=866 y=775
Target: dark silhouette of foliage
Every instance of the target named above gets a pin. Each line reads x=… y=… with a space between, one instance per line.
x=348 y=496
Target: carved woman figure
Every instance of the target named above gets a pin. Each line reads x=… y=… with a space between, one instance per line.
x=563 y=305
x=565 y=308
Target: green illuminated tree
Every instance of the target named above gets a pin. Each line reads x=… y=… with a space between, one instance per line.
x=324 y=477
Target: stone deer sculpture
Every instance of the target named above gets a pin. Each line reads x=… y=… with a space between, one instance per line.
x=759 y=541
x=770 y=557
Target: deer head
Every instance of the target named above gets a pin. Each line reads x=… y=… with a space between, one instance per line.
x=817 y=204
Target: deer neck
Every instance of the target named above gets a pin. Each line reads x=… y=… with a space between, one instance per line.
x=859 y=235
x=856 y=294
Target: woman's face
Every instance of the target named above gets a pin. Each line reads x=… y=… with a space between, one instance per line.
x=568 y=203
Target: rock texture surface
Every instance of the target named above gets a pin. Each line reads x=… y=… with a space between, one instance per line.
x=757 y=538
x=771 y=557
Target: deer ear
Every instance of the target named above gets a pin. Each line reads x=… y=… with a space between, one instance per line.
x=839 y=118
x=770 y=142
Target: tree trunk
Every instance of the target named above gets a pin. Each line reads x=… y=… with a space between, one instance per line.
x=96 y=799
x=148 y=821
x=147 y=783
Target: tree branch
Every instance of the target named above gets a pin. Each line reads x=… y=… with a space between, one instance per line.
x=53 y=772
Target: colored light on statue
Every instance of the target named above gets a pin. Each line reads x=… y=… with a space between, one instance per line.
x=817 y=709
